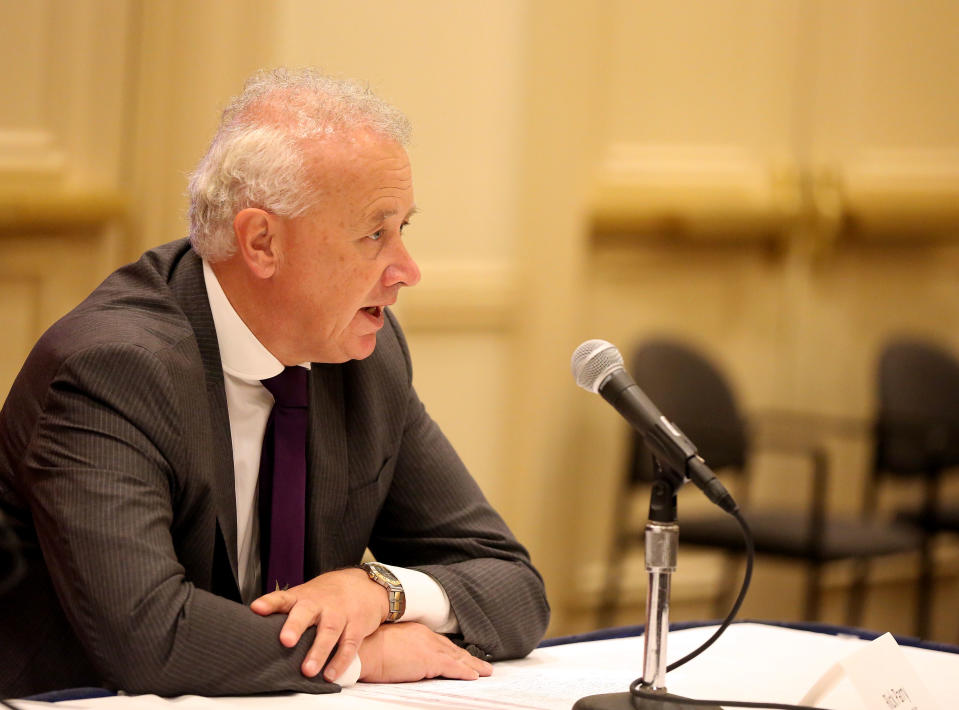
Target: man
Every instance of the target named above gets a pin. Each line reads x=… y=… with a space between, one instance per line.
x=143 y=462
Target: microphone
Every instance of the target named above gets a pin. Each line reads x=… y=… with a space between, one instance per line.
x=598 y=367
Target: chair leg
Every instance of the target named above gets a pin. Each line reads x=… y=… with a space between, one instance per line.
x=813 y=597
x=925 y=588
x=856 y=596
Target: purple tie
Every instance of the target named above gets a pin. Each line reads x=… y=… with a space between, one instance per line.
x=284 y=461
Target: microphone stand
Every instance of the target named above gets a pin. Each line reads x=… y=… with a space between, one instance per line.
x=662 y=544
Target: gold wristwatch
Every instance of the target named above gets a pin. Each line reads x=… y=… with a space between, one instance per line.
x=382 y=575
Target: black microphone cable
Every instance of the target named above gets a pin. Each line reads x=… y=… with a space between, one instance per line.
x=743 y=589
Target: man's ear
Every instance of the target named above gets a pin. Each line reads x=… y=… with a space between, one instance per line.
x=254 y=231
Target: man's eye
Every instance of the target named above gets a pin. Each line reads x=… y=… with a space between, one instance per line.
x=376 y=236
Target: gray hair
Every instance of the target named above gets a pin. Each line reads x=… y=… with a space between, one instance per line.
x=257 y=157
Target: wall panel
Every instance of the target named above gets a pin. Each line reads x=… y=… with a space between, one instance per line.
x=63 y=128
x=776 y=184
x=452 y=68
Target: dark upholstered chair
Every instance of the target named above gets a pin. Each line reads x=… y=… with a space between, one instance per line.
x=917 y=436
x=693 y=393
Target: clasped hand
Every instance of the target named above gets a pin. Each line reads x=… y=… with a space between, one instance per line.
x=348 y=608
x=345 y=606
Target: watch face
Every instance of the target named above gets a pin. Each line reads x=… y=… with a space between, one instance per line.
x=382 y=575
x=385 y=574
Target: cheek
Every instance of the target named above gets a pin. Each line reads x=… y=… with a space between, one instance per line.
x=337 y=287
x=340 y=293
x=359 y=281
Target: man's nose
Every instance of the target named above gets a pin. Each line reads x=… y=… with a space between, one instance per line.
x=402 y=270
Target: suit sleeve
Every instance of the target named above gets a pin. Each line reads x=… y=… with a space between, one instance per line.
x=102 y=492
x=436 y=519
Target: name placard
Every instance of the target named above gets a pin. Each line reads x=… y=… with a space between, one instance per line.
x=885 y=679
x=881 y=674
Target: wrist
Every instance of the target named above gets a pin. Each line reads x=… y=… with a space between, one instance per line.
x=393 y=593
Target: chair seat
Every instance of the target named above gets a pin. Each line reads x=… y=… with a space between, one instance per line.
x=945 y=519
x=787 y=534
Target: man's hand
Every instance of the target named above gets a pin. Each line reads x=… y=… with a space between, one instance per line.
x=407 y=651
x=345 y=605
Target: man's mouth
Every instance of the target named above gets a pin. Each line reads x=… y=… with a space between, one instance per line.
x=374 y=311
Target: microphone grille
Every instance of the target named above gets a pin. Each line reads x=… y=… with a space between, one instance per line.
x=593 y=362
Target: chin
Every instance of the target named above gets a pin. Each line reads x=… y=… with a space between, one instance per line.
x=363 y=348
x=346 y=349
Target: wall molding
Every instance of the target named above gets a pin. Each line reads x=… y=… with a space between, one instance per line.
x=898 y=195
x=691 y=191
x=30 y=155
x=58 y=210
x=713 y=193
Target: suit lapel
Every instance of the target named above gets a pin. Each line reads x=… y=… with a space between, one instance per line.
x=327 y=467
x=327 y=462
x=187 y=285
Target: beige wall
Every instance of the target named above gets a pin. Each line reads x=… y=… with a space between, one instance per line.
x=777 y=185
x=775 y=182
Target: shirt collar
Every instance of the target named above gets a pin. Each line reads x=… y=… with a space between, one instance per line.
x=241 y=354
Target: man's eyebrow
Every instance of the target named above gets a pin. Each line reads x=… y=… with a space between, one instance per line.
x=380 y=216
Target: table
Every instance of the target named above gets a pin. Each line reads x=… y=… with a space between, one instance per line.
x=751 y=661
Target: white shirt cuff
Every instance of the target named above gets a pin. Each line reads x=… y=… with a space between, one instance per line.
x=426 y=601
x=351 y=674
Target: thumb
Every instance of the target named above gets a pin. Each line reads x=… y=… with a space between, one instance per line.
x=273 y=603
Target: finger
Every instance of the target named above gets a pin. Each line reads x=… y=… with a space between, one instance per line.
x=301 y=617
x=328 y=632
x=346 y=650
x=468 y=659
x=272 y=603
x=480 y=666
x=457 y=669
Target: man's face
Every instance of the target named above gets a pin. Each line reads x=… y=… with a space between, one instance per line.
x=344 y=261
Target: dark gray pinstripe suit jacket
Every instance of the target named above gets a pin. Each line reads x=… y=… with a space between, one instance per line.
x=116 y=469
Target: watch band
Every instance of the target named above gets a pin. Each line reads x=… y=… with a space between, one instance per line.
x=397 y=597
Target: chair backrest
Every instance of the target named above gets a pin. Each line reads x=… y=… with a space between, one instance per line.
x=692 y=392
x=917 y=424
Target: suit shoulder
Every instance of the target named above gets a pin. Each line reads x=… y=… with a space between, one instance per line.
x=149 y=324
x=134 y=305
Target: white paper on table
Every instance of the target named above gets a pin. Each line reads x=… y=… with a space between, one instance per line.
x=753 y=662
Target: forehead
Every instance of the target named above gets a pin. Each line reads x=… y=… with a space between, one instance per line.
x=362 y=170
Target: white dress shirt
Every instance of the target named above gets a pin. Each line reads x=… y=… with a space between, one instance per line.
x=245 y=362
